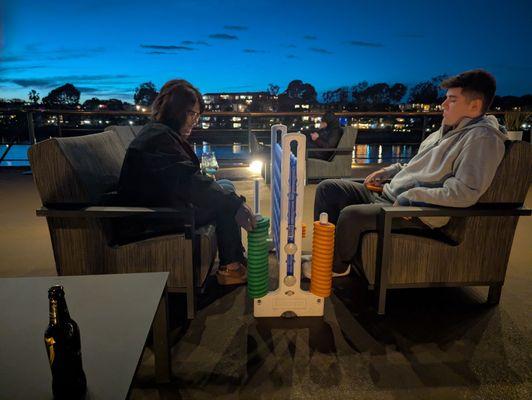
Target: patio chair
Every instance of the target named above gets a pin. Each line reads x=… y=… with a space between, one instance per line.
x=471 y=250
x=74 y=176
x=339 y=165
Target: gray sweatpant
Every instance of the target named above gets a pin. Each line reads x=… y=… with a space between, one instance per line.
x=354 y=211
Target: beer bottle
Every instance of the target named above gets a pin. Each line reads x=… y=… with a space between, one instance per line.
x=63 y=345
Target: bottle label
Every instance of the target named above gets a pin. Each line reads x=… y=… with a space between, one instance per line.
x=53 y=311
x=50 y=347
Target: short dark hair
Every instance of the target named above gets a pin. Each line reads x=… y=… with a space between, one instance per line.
x=475 y=84
x=173 y=101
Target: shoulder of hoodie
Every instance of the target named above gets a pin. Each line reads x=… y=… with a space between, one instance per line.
x=483 y=130
x=154 y=134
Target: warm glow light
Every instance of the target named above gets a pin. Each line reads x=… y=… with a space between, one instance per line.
x=256 y=166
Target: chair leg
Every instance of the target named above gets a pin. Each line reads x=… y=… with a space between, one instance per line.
x=191 y=303
x=381 y=300
x=494 y=294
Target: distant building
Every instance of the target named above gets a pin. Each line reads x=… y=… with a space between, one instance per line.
x=240 y=102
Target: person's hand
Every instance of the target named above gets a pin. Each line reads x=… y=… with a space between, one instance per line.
x=314 y=136
x=245 y=218
x=376 y=178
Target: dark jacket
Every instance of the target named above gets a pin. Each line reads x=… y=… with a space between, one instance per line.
x=329 y=138
x=161 y=170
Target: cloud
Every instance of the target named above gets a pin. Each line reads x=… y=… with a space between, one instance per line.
x=55 y=81
x=309 y=37
x=320 y=50
x=291 y=56
x=199 y=42
x=364 y=44
x=33 y=52
x=36 y=82
x=13 y=58
x=223 y=36
x=236 y=27
x=253 y=51
x=88 y=90
x=160 y=47
x=20 y=68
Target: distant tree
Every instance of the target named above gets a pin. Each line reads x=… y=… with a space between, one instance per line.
x=357 y=93
x=273 y=90
x=115 y=105
x=92 y=104
x=397 y=92
x=299 y=90
x=145 y=94
x=33 y=96
x=428 y=92
x=66 y=96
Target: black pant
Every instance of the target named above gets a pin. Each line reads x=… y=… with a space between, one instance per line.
x=228 y=233
x=354 y=210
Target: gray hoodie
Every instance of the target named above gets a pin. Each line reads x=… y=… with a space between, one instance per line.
x=451 y=169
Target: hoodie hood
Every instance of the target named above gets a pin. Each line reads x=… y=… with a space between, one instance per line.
x=486 y=121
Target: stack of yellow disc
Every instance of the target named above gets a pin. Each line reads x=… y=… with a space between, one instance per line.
x=322 y=258
x=304 y=230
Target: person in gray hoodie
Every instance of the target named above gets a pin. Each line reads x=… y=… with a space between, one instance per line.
x=453 y=168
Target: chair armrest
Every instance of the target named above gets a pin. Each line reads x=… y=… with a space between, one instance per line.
x=486 y=210
x=330 y=149
x=114 y=212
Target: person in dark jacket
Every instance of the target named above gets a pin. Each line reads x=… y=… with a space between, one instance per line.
x=328 y=136
x=161 y=170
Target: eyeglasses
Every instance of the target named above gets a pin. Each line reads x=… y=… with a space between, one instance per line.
x=193 y=114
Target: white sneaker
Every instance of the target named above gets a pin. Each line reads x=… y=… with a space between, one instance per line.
x=306 y=268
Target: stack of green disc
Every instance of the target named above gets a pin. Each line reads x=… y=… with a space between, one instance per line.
x=258 y=278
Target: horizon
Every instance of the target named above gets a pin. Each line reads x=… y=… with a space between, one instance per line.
x=237 y=46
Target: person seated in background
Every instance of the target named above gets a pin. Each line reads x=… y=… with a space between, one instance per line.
x=161 y=170
x=327 y=136
x=454 y=166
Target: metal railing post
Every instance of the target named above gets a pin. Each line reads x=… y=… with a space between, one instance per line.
x=31 y=127
x=425 y=121
x=59 y=133
x=249 y=132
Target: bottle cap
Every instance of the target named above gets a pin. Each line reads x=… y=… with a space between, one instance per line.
x=56 y=291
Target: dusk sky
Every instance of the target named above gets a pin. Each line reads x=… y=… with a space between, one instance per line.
x=107 y=48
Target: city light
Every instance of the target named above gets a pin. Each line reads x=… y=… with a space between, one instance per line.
x=256 y=167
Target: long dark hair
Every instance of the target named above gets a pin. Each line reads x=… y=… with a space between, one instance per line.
x=173 y=101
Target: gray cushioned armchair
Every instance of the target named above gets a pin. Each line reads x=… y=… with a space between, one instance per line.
x=73 y=176
x=472 y=249
x=339 y=165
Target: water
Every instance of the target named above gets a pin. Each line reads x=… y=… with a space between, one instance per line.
x=17 y=155
x=383 y=154
x=362 y=154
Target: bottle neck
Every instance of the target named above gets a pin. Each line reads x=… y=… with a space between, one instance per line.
x=58 y=311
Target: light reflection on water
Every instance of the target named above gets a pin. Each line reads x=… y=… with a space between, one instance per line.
x=379 y=154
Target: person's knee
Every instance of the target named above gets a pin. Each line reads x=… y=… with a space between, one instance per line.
x=227 y=185
x=361 y=215
x=326 y=187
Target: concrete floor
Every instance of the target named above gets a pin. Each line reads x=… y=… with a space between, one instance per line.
x=432 y=343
